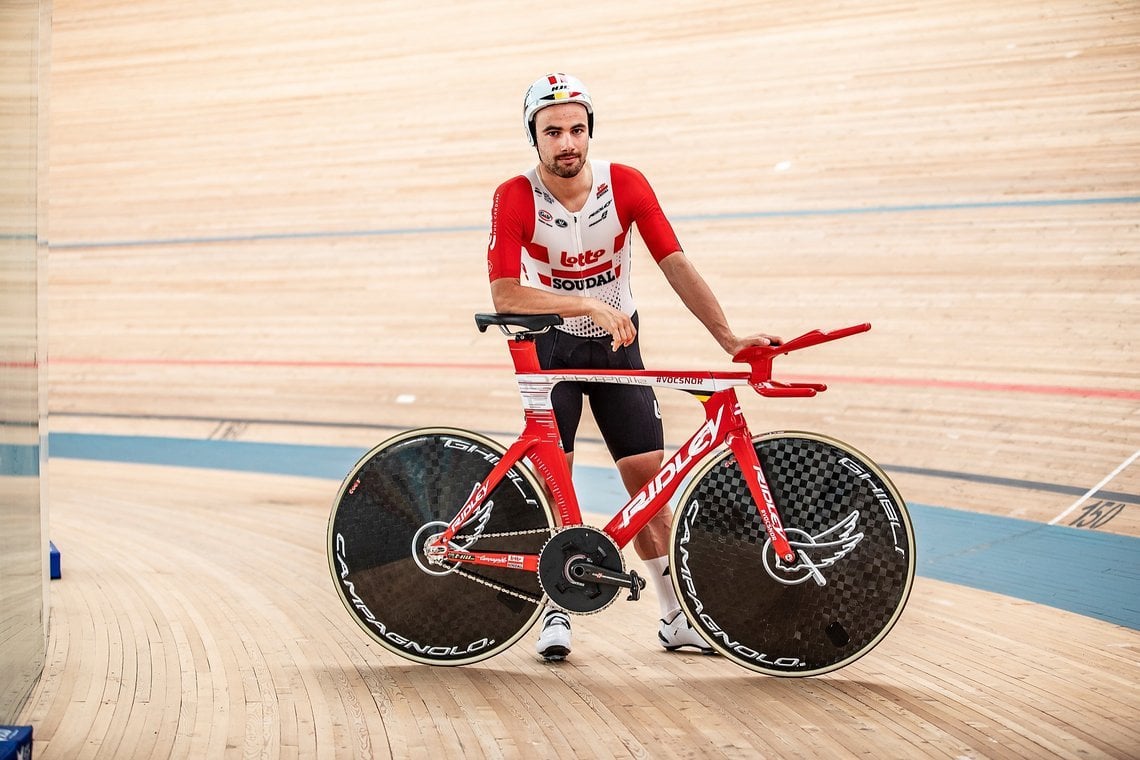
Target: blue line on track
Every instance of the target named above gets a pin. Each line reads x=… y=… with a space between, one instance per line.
x=1087 y=572
x=21 y=461
x=728 y=216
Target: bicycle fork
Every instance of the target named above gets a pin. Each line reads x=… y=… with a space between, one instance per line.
x=740 y=442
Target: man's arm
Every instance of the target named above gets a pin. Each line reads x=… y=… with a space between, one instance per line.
x=699 y=298
x=512 y=297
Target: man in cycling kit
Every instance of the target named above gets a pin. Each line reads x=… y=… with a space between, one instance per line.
x=560 y=244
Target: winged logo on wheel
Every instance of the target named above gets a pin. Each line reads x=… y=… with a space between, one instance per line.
x=813 y=553
x=478 y=521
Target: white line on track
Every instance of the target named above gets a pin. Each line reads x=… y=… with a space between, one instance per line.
x=1123 y=466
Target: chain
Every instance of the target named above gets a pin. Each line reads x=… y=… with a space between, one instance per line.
x=497 y=586
x=490 y=583
x=532 y=531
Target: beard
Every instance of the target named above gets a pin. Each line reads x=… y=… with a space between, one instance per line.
x=562 y=169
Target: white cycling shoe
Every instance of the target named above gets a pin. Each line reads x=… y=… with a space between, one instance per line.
x=554 y=642
x=675 y=632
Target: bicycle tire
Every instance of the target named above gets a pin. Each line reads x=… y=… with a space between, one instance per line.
x=837 y=600
x=396 y=494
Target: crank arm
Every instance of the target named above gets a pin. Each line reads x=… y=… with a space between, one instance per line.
x=585 y=572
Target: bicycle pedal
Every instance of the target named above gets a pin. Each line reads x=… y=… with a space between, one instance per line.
x=636 y=588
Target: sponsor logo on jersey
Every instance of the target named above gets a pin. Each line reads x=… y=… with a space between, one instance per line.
x=582 y=284
x=563 y=279
x=583 y=259
x=600 y=213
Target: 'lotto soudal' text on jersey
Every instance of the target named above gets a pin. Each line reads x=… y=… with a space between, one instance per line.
x=585 y=253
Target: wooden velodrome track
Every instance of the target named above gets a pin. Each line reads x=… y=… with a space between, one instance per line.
x=267 y=222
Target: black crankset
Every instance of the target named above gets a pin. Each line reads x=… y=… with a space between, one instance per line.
x=581 y=570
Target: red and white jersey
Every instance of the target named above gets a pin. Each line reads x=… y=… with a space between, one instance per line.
x=587 y=252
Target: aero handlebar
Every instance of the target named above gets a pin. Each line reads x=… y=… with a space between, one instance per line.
x=760 y=359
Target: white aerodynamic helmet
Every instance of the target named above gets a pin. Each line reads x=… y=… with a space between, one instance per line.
x=552 y=90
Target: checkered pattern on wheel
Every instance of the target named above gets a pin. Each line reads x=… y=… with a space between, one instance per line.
x=813 y=492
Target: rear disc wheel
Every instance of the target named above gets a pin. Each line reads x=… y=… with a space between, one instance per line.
x=396 y=498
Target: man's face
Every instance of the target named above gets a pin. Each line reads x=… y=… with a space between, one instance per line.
x=563 y=138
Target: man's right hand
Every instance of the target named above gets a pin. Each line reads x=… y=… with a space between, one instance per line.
x=617 y=323
x=512 y=297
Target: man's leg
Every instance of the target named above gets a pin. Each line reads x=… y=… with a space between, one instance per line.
x=652 y=545
x=636 y=470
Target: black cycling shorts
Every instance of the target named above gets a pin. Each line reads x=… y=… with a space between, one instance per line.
x=627 y=415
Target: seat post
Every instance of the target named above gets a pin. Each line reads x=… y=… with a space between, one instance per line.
x=523 y=354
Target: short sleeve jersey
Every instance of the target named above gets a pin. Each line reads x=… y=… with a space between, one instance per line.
x=587 y=252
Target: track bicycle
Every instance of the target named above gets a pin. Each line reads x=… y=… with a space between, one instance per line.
x=791 y=552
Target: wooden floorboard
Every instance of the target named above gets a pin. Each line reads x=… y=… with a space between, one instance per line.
x=214 y=590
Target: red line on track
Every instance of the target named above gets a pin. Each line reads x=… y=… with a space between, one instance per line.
x=969 y=385
x=281 y=363
x=973 y=385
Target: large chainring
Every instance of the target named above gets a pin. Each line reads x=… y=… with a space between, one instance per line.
x=575 y=544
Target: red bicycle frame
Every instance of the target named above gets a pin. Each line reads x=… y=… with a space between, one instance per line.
x=724 y=424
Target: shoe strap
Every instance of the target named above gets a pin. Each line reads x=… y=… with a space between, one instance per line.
x=555 y=617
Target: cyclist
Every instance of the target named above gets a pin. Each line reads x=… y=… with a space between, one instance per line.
x=560 y=244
